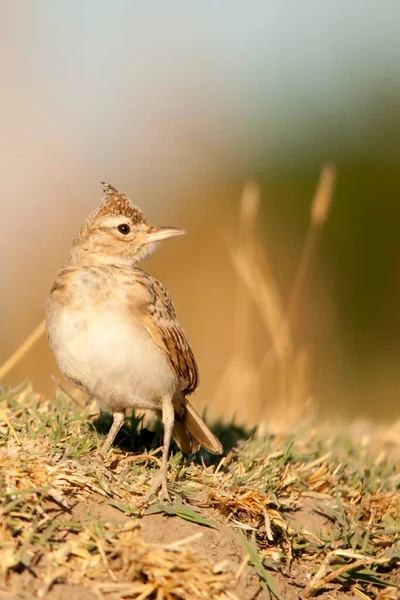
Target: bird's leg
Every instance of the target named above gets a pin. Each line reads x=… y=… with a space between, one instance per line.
x=115 y=427
x=168 y=417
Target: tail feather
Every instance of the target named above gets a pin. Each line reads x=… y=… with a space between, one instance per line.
x=190 y=432
x=183 y=438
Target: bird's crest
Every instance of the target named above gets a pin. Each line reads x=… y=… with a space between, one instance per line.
x=116 y=203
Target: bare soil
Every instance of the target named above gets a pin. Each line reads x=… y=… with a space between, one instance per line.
x=219 y=546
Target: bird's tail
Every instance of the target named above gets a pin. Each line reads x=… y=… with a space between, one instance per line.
x=190 y=432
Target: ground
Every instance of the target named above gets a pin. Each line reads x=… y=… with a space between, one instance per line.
x=310 y=514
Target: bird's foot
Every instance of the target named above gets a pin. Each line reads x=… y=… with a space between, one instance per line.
x=97 y=461
x=97 y=464
x=159 y=481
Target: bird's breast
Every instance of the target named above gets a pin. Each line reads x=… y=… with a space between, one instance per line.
x=100 y=342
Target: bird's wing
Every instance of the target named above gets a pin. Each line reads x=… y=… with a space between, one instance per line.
x=162 y=325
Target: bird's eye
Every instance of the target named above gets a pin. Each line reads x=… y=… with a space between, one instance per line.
x=124 y=228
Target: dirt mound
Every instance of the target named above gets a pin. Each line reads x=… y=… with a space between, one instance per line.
x=281 y=517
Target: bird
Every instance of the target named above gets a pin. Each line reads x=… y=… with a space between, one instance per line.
x=115 y=334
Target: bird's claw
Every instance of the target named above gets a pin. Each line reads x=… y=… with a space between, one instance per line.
x=159 y=481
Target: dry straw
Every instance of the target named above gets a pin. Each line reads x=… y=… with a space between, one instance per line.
x=58 y=513
x=284 y=367
x=23 y=349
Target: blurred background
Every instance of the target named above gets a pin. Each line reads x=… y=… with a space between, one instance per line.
x=180 y=104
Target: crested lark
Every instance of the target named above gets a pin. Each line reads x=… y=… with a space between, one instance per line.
x=114 y=330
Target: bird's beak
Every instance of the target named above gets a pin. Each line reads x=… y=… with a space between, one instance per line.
x=156 y=234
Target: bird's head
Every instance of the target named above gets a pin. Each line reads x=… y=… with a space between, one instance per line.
x=117 y=232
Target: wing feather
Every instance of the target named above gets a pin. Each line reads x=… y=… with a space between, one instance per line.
x=162 y=325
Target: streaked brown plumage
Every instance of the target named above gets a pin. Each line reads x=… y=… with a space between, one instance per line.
x=114 y=330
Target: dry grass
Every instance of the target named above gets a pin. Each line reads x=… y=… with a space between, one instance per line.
x=284 y=366
x=319 y=510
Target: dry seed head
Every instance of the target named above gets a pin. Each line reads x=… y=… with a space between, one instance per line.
x=323 y=195
x=250 y=201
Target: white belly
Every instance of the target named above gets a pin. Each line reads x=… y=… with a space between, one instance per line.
x=114 y=359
